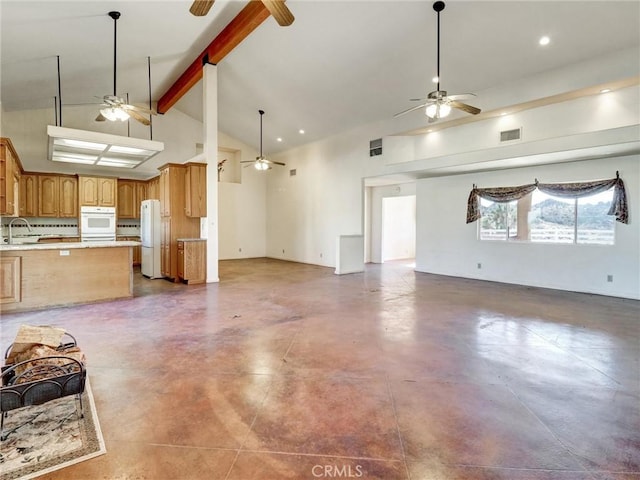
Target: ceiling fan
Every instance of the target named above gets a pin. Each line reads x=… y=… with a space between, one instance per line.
x=438 y=104
x=261 y=162
x=115 y=108
x=277 y=9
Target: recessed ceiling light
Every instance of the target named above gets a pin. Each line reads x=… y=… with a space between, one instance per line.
x=605 y=90
x=544 y=40
x=301 y=131
x=278 y=139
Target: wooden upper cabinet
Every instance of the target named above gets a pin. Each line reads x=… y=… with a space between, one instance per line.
x=153 y=189
x=57 y=196
x=131 y=193
x=29 y=196
x=9 y=175
x=196 y=190
x=49 y=195
x=127 y=200
x=97 y=191
x=68 y=197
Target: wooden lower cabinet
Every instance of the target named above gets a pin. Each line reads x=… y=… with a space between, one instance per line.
x=10 y=279
x=192 y=260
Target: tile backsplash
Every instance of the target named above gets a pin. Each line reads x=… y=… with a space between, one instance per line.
x=67 y=227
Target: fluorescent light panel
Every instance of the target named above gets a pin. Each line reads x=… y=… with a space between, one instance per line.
x=101 y=149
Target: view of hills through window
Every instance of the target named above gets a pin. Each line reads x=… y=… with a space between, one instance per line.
x=542 y=218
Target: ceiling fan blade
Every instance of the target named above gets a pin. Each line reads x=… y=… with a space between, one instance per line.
x=146 y=111
x=280 y=12
x=461 y=96
x=464 y=107
x=248 y=161
x=137 y=116
x=200 y=8
x=410 y=110
x=100 y=118
x=277 y=163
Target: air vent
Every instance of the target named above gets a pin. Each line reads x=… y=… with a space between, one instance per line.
x=375 y=147
x=292 y=172
x=510 y=135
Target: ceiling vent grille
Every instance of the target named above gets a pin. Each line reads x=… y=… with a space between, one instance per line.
x=292 y=172
x=510 y=135
x=375 y=147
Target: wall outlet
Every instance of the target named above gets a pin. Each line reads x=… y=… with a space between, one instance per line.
x=240 y=249
x=283 y=250
x=479 y=265
x=320 y=255
x=64 y=253
x=609 y=278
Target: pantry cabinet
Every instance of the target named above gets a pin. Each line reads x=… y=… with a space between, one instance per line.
x=196 y=190
x=175 y=223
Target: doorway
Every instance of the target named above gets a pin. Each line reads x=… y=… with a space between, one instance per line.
x=398 y=228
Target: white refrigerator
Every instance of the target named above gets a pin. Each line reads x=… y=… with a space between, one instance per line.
x=150 y=231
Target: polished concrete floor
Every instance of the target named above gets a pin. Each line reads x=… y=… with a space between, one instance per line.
x=287 y=371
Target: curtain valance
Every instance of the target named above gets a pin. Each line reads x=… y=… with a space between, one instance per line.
x=618 y=207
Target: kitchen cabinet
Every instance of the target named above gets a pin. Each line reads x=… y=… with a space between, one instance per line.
x=29 y=195
x=127 y=199
x=153 y=189
x=57 y=196
x=141 y=194
x=175 y=223
x=97 y=191
x=10 y=170
x=130 y=194
x=192 y=265
x=68 y=197
x=196 y=190
x=10 y=279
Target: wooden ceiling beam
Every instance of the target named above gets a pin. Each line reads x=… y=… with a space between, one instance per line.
x=249 y=18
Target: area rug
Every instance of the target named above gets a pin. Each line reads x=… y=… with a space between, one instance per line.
x=45 y=444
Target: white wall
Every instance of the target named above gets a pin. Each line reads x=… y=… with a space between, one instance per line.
x=242 y=207
x=447 y=245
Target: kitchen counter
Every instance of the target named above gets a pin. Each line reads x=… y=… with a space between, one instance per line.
x=43 y=275
x=67 y=245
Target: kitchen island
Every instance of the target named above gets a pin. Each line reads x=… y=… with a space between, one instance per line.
x=40 y=275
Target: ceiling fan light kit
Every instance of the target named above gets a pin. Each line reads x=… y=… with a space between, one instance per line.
x=438 y=104
x=114 y=114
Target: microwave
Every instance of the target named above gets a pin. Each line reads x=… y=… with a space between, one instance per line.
x=97 y=223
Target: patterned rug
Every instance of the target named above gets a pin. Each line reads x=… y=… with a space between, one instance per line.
x=52 y=437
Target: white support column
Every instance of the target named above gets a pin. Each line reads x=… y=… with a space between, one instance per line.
x=210 y=137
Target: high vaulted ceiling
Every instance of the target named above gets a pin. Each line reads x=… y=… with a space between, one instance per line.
x=341 y=64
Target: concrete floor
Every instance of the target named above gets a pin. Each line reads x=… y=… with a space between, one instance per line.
x=287 y=371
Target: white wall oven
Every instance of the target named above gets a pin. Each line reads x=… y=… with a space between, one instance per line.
x=97 y=224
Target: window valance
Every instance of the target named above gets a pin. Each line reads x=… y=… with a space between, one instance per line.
x=618 y=208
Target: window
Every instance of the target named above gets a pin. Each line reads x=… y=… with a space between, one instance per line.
x=499 y=220
x=543 y=218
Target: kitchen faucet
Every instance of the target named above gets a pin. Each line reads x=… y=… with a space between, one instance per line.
x=11 y=225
